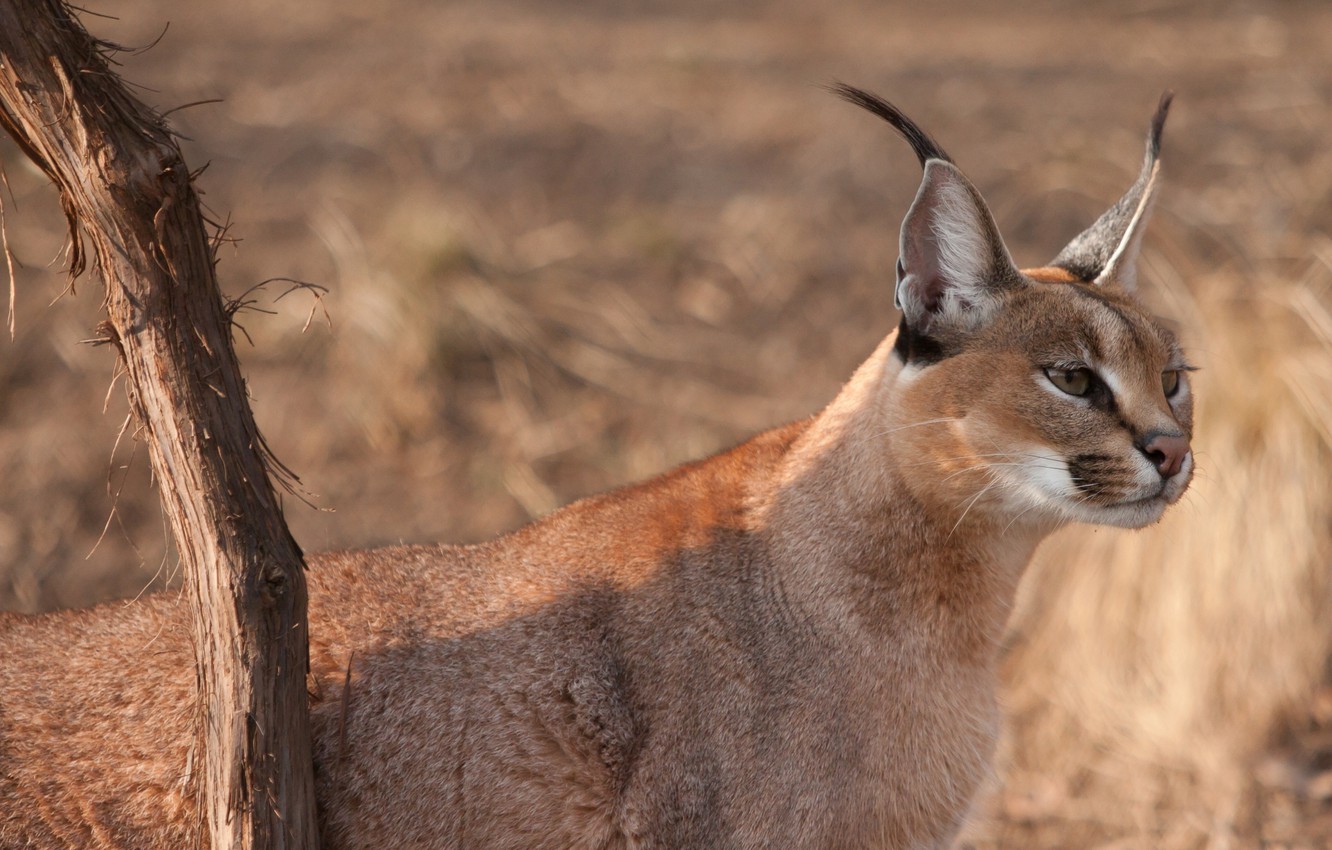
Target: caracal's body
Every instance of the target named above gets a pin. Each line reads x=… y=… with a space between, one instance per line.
x=789 y=645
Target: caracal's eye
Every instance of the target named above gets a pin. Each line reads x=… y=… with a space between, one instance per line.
x=1072 y=381
x=1170 y=382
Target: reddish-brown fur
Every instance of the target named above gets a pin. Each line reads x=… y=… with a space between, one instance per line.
x=791 y=644
x=1051 y=274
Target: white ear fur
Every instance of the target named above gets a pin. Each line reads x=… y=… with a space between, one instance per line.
x=1122 y=267
x=953 y=261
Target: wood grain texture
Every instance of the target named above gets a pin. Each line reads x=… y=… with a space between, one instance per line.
x=128 y=198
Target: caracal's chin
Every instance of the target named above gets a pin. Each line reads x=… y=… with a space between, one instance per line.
x=1137 y=512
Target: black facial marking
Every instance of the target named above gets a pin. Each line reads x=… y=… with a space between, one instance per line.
x=917 y=349
x=1093 y=473
x=1102 y=398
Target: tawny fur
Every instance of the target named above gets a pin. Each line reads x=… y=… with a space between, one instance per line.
x=791 y=644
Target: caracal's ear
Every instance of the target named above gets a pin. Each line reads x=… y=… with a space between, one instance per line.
x=953 y=265
x=1107 y=252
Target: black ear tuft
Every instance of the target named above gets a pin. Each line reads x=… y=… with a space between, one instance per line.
x=1158 y=123
x=1107 y=251
x=925 y=147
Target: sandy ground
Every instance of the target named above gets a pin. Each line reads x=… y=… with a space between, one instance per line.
x=569 y=245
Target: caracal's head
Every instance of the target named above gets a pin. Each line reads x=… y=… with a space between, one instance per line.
x=1032 y=396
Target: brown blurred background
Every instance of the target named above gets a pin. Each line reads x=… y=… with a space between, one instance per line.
x=571 y=244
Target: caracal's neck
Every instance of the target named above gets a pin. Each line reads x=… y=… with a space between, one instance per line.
x=843 y=521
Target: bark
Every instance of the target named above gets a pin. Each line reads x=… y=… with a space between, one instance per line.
x=128 y=197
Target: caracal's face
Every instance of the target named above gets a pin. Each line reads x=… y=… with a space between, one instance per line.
x=1072 y=404
x=1039 y=396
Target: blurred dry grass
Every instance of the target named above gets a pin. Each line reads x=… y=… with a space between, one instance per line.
x=571 y=245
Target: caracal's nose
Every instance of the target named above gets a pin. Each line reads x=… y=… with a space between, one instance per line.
x=1166 y=452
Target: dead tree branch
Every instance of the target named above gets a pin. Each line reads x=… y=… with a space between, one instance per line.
x=130 y=206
